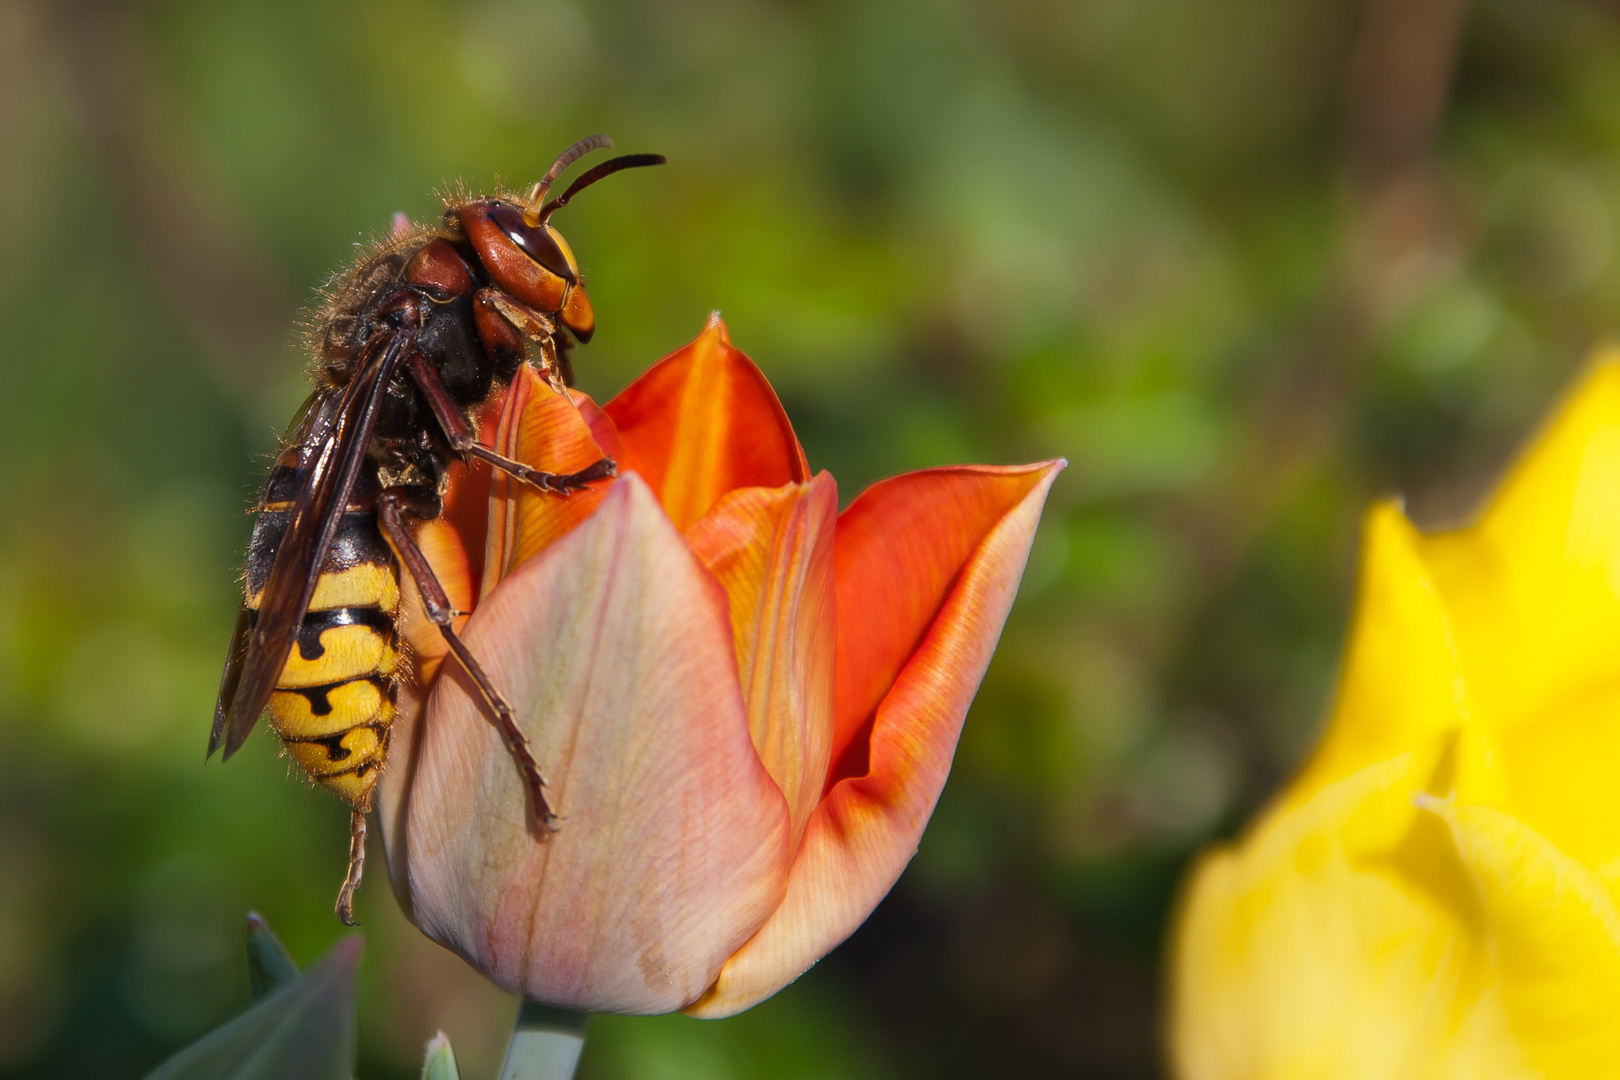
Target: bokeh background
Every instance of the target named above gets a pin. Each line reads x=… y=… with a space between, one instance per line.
x=1247 y=264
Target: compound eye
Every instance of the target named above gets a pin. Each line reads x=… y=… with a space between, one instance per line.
x=532 y=239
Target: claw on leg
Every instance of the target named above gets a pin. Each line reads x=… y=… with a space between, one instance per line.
x=568 y=483
x=555 y=483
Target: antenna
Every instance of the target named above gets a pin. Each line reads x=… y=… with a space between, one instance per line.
x=607 y=168
x=542 y=187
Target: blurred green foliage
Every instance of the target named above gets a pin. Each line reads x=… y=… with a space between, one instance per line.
x=298 y=1026
x=1247 y=265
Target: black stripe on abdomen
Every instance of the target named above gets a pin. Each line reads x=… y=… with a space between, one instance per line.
x=318 y=622
x=358 y=542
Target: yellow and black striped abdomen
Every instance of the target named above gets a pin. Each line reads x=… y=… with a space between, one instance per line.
x=334 y=702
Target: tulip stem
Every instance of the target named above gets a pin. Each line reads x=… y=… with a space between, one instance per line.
x=545 y=1043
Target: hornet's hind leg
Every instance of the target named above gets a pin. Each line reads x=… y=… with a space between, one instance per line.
x=357 y=865
x=392 y=505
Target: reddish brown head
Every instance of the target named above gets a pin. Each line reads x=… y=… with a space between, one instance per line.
x=529 y=259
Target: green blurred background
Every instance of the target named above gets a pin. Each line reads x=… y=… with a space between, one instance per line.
x=1247 y=264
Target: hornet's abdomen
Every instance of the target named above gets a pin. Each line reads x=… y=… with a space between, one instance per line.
x=334 y=702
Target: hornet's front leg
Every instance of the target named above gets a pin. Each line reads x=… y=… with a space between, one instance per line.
x=460 y=435
x=534 y=325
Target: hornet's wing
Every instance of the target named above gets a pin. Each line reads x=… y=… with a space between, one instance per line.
x=334 y=454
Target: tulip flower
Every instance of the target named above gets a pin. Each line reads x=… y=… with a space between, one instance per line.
x=1436 y=894
x=744 y=702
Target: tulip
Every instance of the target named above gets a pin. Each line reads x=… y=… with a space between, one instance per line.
x=1435 y=895
x=744 y=702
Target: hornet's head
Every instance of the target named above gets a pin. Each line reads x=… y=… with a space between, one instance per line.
x=528 y=258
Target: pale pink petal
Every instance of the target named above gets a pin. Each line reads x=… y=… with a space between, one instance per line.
x=615 y=648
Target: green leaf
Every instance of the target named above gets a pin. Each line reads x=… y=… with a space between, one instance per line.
x=304 y=1029
x=440 y=1062
x=269 y=966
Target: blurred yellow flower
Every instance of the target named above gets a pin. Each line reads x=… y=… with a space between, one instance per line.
x=1436 y=894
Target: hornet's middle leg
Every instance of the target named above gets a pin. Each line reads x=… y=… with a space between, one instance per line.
x=392 y=505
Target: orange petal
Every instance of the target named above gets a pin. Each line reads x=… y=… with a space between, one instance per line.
x=454 y=546
x=771 y=548
x=900 y=546
x=447 y=555
x=601 y=425
x=944 y=548
x=546 y=431
x=704 y=421
x=466 y=497
x=614 y=647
